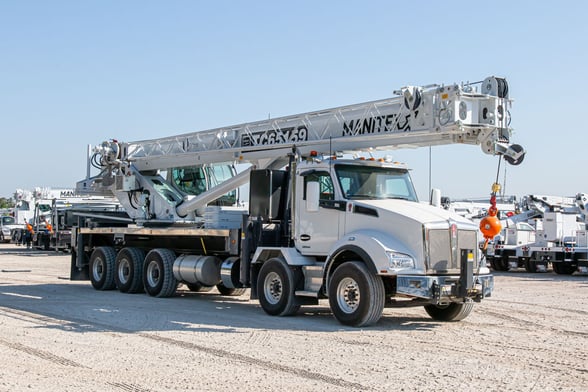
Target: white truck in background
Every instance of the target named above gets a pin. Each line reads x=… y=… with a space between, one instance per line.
x=52 y=227
x=50 y=213
x=28 y=203
x=542 y=219
x=563 y=240
x=7 y=224
x=318 y=226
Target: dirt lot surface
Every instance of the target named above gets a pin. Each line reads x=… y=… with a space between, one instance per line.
x=59 y=335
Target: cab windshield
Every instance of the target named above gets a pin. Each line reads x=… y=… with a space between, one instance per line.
x=370 y=182
x=8 y=220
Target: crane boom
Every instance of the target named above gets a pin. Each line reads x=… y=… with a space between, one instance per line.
x=475 y=113
x=415 y=117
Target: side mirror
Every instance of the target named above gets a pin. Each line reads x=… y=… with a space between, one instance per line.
x=436 y=197
x=312 y=196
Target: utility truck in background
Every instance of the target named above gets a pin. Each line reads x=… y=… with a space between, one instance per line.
x=52 y=226
x=563 y=240
x=318 y=225
x=7 y=225
x=512 y=248
x=31 y=203
x=51 y=212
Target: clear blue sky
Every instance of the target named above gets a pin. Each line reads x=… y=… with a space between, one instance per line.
x=74 y=73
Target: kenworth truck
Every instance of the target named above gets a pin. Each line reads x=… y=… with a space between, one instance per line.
x=317 y=226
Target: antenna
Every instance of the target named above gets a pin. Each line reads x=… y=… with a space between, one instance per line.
x=331 y=153
x=430 y=170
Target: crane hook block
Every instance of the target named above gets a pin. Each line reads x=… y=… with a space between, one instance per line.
x=490 y=226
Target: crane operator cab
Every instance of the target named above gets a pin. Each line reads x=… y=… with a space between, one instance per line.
x=194 y=180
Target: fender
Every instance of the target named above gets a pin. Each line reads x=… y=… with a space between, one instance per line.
x=370 y=246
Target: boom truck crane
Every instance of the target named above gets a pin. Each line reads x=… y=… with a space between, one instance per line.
x=318 y=226
x=563 y=240
x=511 y=249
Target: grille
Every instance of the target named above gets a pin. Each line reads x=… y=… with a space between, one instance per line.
x=443 y=255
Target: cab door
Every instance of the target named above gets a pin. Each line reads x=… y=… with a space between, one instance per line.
x=317 y=227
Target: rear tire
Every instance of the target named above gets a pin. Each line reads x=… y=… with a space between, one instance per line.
x=102 y=268
x=158 y=276
x=451 y=312
x=501 y=263
x=356 y=296
x=129 y=270
x=563 y=268
x=46 y=243
x=530 y=265
x=276 y=284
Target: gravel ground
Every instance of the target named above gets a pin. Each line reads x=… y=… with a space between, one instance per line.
x=58 y=335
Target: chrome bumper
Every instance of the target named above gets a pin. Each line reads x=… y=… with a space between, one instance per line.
x=443 y=288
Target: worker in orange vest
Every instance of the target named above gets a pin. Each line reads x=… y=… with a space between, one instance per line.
x=29 y=234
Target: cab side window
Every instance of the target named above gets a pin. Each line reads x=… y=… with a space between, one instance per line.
x=327 y=190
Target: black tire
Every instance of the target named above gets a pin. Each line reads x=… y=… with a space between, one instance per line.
x=501 y=263
x=451 y=312
x=530 y=265
x=276 y=284
x=235 y=292
x=129 y=270
x=158 y=277
x=197 y=287
x=563 y=268
x=356 y=296
x=46 y=243
x=102 y=268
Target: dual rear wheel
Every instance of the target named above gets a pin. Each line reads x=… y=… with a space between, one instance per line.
x=131 y=271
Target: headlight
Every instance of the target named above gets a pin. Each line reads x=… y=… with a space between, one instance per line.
x=400 y=260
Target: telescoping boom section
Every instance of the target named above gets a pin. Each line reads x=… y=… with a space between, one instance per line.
x=415 y=117
x=317 y=225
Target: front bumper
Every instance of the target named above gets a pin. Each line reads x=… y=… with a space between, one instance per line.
x=443 y=289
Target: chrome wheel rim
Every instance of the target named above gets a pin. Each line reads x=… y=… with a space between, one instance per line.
x=153 y=274
x=273 y=288
x=98 y=269
x=124 y=271
x=348 y=296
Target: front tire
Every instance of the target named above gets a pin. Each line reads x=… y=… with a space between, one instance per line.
x=451 y=312
x=158 y=276
x=129 y=270
x=102 y=268
x=356 y=296
x=276 y=284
